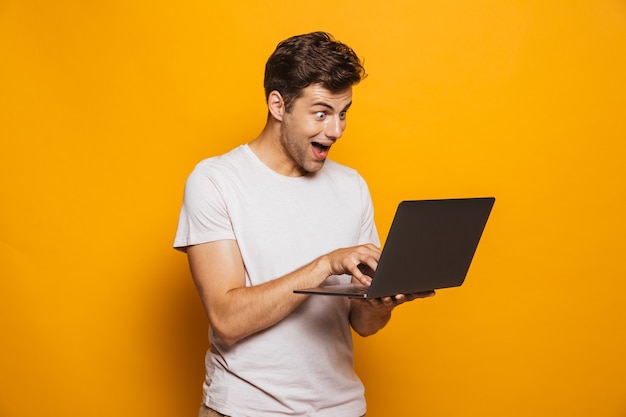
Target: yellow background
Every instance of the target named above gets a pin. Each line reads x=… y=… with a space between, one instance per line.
x=106 y=106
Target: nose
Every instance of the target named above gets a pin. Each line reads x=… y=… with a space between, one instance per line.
x=334 y=127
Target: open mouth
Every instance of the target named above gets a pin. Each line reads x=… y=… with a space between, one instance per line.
x=319 y=150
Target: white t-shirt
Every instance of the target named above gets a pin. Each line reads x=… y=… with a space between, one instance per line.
x=302 y=366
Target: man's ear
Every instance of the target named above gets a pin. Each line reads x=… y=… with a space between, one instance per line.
x=276 y=105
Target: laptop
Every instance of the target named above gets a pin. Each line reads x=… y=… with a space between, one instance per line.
x=430 y=246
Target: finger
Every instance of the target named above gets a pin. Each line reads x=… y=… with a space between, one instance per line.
x=362 y=278
x=371 y=255
x=363 y=271
x=400 y=299
x=425 y=294
x=388 y=301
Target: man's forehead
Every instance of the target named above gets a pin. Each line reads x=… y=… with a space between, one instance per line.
x=316 y=94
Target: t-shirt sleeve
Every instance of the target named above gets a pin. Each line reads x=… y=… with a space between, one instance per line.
x=204 y=213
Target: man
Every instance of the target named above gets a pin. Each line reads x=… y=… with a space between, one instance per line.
x=276 y=215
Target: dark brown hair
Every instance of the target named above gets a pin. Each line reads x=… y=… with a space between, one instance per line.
x=309 y=59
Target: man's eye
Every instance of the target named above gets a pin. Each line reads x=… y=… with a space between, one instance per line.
x=320 y=115
x=343 y=115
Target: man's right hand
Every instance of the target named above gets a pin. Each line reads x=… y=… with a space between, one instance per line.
x=359 y=261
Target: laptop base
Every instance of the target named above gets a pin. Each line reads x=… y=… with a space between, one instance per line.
x=341 y=290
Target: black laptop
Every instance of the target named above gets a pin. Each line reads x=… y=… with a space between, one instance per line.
x=430 y=246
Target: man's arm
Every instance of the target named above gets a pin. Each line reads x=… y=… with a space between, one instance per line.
x=370 y=315
x=236 y=311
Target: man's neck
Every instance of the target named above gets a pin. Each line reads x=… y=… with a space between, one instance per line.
x=268 y=149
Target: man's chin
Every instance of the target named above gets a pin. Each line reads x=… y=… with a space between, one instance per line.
x=313 y=167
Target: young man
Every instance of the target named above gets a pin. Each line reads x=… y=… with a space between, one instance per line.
x=273 y=216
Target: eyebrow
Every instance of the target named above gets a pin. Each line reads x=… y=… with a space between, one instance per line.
x=328 y=106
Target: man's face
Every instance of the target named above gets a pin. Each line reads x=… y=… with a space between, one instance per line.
x=316 y=120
